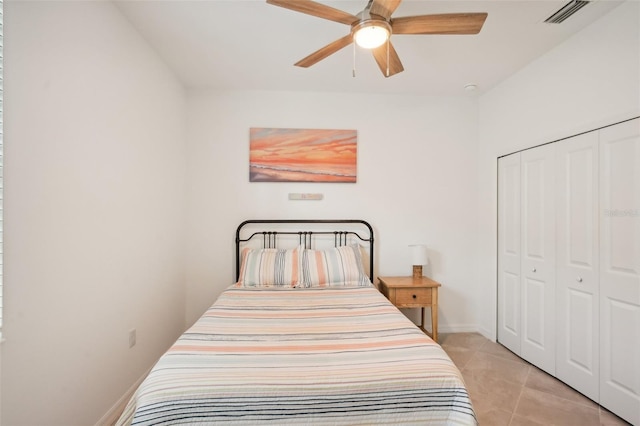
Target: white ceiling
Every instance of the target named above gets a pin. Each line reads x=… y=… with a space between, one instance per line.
x=248 y=44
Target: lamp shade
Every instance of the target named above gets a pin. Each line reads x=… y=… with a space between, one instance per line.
x=419 y=254
x=371 y=33
x=371 y=36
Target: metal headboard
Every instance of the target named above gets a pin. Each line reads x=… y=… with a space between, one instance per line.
x=305 y=237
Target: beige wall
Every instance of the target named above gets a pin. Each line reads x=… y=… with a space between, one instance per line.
x=416 y=184
x=94 y=197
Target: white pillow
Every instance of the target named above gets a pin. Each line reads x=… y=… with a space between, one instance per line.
x=269 y=268
x=340 y=266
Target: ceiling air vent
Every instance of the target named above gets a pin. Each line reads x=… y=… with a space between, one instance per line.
x=566 y=11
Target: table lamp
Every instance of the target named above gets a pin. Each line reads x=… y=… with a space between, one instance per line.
x=418 y=257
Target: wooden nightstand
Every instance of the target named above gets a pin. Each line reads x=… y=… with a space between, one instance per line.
x=409 y=292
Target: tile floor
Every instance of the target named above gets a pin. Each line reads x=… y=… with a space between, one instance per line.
x=506 y=390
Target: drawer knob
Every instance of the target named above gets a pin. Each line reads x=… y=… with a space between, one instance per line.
x=414 y=296
x=579 y=279
x=533 y=270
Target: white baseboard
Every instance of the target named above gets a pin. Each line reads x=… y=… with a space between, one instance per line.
x=112 y=416
x=457 y=328
x=489 y=334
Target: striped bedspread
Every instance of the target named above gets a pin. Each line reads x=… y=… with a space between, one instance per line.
x=341 y=355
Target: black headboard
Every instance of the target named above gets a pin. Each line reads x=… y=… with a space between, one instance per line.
x=344 y=231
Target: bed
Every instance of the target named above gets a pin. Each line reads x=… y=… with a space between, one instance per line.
x=303 y=337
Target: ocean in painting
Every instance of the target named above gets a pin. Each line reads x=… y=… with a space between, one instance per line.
x=302 y=155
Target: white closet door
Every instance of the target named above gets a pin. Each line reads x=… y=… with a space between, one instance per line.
x=509 y=302
x=538 y=242
x=577 y=254
x=620 y=270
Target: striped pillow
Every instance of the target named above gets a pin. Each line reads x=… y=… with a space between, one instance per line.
x=340 y=266
x=269 y=268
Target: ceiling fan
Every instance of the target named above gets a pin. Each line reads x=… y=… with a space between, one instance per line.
x=373 y=26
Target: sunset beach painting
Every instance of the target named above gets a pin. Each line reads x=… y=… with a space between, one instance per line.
x=302 y=155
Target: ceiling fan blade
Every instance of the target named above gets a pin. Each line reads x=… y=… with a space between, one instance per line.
x=316 y=9
x=384 y=8
x=322 y=53
x=449 y=23
x=380 y=55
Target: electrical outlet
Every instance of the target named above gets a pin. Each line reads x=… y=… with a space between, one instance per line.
x=132 y=337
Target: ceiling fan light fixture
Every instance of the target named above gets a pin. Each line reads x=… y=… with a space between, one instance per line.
x=371 y=33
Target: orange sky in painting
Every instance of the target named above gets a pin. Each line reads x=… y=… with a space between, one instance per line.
x=309 y=147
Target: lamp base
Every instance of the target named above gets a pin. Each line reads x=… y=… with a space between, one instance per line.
x=417 y=271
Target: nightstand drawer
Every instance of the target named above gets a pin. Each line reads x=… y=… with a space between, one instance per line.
x=413 y=296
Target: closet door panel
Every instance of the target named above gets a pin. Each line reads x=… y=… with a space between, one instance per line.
x=577 y=280
x=538 y=256
x=509 y=300
x=620 y=269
